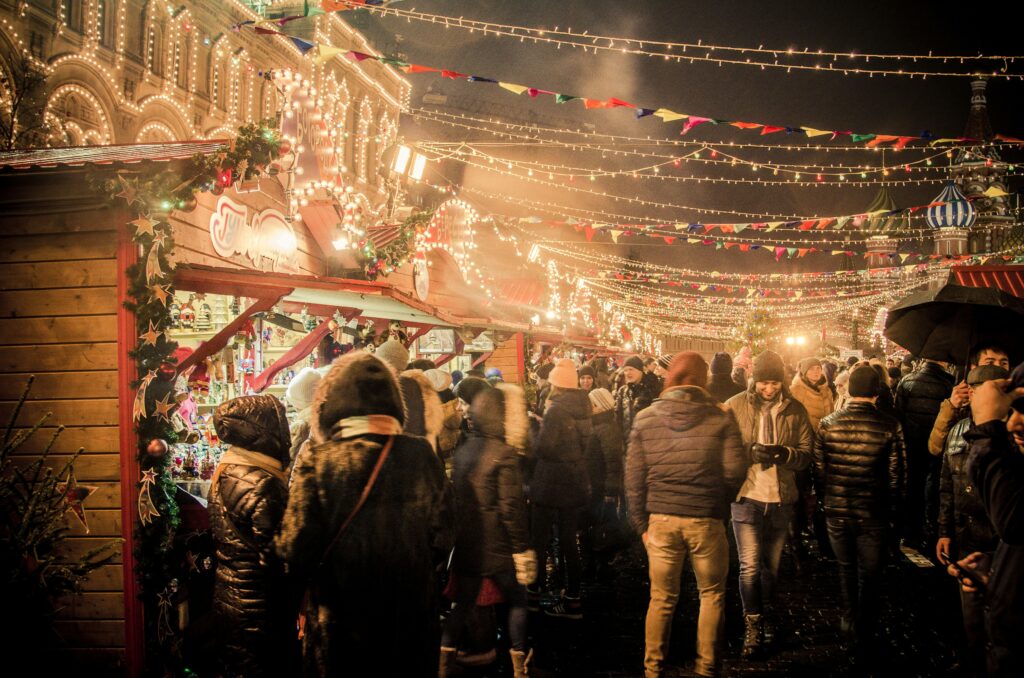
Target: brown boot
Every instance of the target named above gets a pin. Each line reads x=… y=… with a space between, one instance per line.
x=448 y=667
x=520 y=663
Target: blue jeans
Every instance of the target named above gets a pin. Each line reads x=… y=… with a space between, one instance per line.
x=860 y=546
x=760 y=531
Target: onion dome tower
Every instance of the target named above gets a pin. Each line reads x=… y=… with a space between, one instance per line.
x=980 y=169
x=880 y=225
x=951 y=220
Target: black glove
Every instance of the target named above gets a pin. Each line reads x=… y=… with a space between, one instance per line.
x=780 y=454
x=761 y=454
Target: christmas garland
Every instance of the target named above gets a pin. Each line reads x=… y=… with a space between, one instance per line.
x=392 y=256
x=151 y=196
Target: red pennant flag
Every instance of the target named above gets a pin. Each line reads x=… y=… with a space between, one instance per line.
x=771 y=129
x=744 y=247
x=454 y=75
x=807 y=225
x=668 y=239
x=881 y=139
x=266 y=31
x=358 y=56
x=802 y=251
x=595 y=103
x=1009 y=140
x=727 y=228
x=613 y=102
x=692 y=122
x=902 y=142
x=823 y=223
x=589 y=231
x=416 y=68
x=746 y=125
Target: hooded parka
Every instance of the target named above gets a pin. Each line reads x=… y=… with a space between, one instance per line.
x=560 y=478
x=372 y=604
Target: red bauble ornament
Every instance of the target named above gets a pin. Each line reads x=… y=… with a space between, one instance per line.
x=166 y=371
x=157 y=448
x=285 y=147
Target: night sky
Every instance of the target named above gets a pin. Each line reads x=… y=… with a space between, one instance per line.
x=893 y=105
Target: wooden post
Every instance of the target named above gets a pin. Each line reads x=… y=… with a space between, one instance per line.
x=127 y=255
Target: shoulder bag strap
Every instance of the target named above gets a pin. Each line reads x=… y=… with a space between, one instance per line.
x=362 y=499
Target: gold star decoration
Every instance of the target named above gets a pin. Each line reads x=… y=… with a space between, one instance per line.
x=74 y=494
x=160 y=240
x=128 y=192
x=143 y=225
x=164 y=407
x=161 y=292
x=151 y=336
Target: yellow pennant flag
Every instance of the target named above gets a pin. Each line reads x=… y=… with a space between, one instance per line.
x=680 y=226
x=516 y=89
x=904 y=257
x=810 y=132
x=668 y=116
x=772 y=225
x=798 y=294
x=994 y=192
x=615 y=235
x=943 y=141
x=326 y=53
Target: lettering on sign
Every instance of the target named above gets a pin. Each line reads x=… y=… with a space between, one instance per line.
x=267 y=240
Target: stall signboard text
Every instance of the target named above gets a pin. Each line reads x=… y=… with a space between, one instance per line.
x=266 y=239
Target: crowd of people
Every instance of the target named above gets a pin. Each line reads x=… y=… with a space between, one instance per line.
x=369 y=538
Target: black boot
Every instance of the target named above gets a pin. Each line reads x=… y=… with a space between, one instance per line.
x=752 y=640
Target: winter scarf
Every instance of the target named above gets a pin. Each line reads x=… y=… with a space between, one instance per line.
x=371 y=424
x=243 y=457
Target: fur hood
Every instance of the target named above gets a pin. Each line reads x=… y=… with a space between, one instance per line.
x=357 y=384
x=500 y=412
x=431 y=421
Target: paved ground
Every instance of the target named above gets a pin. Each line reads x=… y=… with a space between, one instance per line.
x=919 y=626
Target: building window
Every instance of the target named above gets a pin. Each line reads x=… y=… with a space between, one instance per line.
x=35 y=44
x=72 y=12
x=155 y=52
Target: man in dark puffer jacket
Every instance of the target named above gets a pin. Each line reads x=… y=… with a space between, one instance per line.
x=721 y=384
x=858 y=470
x=918 y=398
x=252 y=600
x=684 y=463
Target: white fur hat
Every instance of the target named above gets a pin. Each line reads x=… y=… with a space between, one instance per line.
x=439 y=379
x=302 y=387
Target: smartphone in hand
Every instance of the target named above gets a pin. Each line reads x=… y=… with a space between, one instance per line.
x=962 y=575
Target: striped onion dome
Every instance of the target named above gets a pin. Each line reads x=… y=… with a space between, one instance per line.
x=956 y=213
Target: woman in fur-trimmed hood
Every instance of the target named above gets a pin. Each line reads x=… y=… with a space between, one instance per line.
x=372 y=605
x=493 y=535
x=424 y=415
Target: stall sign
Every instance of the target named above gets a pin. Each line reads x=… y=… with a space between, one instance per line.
x=437 y=342
x=267 y=239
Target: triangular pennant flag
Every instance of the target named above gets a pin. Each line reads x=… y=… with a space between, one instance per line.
x=668 y=239
x=616 y=234
x=739 y=228
x=326 y=53
x=357 y=56
x=668 y=116
x=452 y=75
x=1009 y=140
x=994 y=192
x=515 y=89
x=744 y=247
x=644 y=112
x=562 y=98
x=595 y=103
x=811 y=132
x=803 y=251
x=841 y=222
x=857 y=138
x=881 y=139
x=902 y=142
x=692 y=122
x=391 y=61
x=266 y=31
x=772 y=225
x=613 y=103
x=303 y=45
x=822 y=223
x=478 y=78
x=807 y=225
x=308 y=10
x=746 y=125
x=904 y=257
x=417 y=68
x=771 y=129
x=791 y=251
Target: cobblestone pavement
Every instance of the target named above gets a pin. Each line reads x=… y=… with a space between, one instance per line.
x=919 y=626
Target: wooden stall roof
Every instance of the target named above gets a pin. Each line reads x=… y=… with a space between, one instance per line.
x=74 y=156
x=1009 y=279
x=373 y=299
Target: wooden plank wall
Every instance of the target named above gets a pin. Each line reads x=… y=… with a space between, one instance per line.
x=58 y=305
x=506 y=359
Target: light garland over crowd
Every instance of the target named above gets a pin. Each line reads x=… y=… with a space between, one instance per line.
x=846 y=63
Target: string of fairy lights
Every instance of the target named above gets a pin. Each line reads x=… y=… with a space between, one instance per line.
x=788 y=59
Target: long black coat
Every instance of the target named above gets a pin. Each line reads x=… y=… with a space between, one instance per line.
x=252 y=598
x=685 y=458
x=630 y=399
x=858 y=463
x=560 y=477
x=605 y=456
x=918 y=396
x=374 y=602
x=490 y=506
x=996 y=468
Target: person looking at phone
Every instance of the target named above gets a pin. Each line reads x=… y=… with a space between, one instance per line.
x=964 y=527
x=996 y=468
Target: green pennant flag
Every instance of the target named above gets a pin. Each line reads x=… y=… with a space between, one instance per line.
x=790 y=251
x=562 y=98
x=392 y=61
x=857 y=138
x=310 y=11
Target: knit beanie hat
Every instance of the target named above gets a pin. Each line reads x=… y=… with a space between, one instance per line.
x=687 y=369
x=469 y=387
x=665 y=360
x=808 y=363
x=358 y=384
x=601 y=400
x=544 y=371
x=564 y=374
x=979 y=375
x=721 y=363
x=456 y=377
x=768 y=366
x=635 y=362
x=439 y=379
x=421 y=364
x=587 y=371
x=493 y=372
x=394 y=353
x=302 y=387
x=864 y=382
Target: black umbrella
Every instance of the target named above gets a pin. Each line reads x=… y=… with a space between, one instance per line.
x=944 y=324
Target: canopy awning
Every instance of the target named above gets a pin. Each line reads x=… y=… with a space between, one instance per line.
x=1009 y=279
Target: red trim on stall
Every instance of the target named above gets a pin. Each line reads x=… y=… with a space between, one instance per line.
x=447 y=357
x=521 y=357
x=483 y=358
x=134 y=644
x=218 y=341
x=296 y=353
x=420 y=331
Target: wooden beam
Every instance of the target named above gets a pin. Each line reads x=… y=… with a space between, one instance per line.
x=221 y=339
x=302 y=349
x=483 y=358
x=423 y=329
x=447 y=357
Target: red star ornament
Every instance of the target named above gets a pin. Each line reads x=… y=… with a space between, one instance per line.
x=74 y=494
